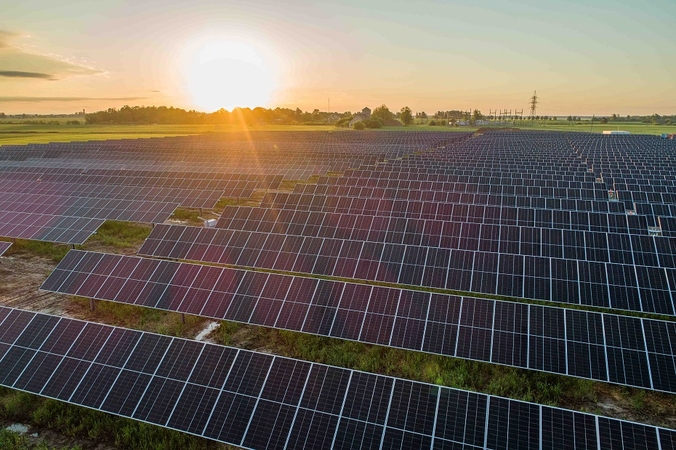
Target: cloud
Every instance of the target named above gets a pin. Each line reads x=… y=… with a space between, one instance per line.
x=20 y=74
x=17 y=62
x=67 y=99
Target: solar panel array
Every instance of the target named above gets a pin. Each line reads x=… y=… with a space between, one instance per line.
x=261 y=401
x=474 y=262
x=605 y=255
x=605 y=347
x=62 y=192
x=563 y=217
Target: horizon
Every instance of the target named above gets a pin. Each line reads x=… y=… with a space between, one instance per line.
x=355 y=111
x=582 y=59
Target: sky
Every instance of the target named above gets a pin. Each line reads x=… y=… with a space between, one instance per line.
x=583 y=58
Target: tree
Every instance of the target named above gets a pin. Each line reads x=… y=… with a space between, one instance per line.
x=359 y=126
x=406 y=116
x=383 y=113
x=476 y=115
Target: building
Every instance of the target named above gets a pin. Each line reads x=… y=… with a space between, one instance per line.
x=363 y=116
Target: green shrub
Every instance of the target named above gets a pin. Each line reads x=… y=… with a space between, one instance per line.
x=374 y=122
x=344 y=122
x=359 y=126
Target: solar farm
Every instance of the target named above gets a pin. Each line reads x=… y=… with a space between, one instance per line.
x=547 y=252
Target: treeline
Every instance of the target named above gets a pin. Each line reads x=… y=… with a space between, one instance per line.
x=287 y=116
x=171 y=115
x=655 y=119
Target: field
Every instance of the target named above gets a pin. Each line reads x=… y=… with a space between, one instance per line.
x=30 y=132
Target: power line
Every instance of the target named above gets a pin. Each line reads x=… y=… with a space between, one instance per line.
x=533 y=105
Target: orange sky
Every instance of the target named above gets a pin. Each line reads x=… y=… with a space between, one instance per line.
x=603 y=58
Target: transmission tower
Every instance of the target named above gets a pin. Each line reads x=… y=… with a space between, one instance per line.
x=533 y=105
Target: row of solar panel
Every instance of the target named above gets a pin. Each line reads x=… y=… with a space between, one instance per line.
x=647 y=197
x=547 y=187
x=186 y=180
x=600 y=192
x=103 y=190
x=290 y=170
x=570 y=204
x=222 y=151
x=643 y=250
x=48 y=228
x=148 y=212
x=261 y=401
x=101 y=200
x=173 y=151
x=401 y=173
x=507 y=168
x=620 y=286
x=514 y=214
x=605 y=347
x=441 y=163
x=476 y=155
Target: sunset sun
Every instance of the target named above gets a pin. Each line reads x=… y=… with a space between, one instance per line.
x=225 y=74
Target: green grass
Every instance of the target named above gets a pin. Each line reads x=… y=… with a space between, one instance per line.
x=28 y=133
x=453 y=372
x=585 y=126
x=14 y=441
x=55 y=252
x=560 y=125
x=77 y=422
x=119 y=235
x=131 y=316
x=22 y=133
x=189 y=215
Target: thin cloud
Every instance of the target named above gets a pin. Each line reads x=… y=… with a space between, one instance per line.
x=21 y=74
x=19 y=63
x=68 y=99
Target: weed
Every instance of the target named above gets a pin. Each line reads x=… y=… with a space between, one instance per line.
x=120 y=235
x=55 y=252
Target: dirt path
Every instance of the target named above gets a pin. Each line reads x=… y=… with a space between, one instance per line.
x=21 y=276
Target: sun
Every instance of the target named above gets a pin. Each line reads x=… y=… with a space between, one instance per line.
x=227 y=74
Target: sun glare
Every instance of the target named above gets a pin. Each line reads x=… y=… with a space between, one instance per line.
x=226 y=74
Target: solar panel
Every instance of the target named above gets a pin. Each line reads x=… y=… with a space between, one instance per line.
x=261 y=401
x=4 y=246
x=569 y=342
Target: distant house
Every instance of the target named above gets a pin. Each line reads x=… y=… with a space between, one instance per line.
x=333 y=118
x=363 y=116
